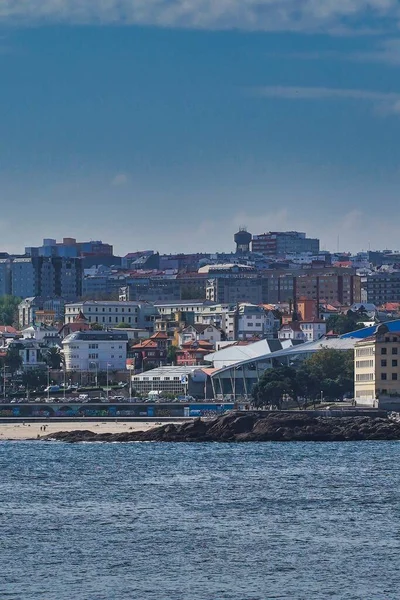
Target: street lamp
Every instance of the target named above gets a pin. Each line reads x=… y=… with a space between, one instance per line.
x=96 y=368
x=108 y=365
x=48 y=382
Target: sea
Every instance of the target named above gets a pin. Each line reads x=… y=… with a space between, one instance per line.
x=151 y=521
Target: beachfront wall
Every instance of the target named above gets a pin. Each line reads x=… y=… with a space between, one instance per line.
x=71 y=411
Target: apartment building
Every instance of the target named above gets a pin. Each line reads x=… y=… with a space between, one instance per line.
x=379 y=288
x=106 y=313
x=377 y=366
x=95 y=351
x=280 y=243
x=47 y=277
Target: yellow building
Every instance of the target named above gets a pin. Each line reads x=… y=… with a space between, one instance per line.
x=377 y=367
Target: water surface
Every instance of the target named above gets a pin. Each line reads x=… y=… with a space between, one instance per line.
x=199 y=521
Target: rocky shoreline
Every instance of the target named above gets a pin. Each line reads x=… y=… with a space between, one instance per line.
x=252 y=427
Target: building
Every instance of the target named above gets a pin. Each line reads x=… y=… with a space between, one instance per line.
x=80 y=323
x=28 y=308
x=149 y=353
x=109 y=313
x=5 y=276
x=200 y=332
x=292 y=331
x=242 y=240
x=95 y=351
x=313 y=329
x=254 y=321
x=379 y=288
x=47 y=277
x=344 y=288
x=179 y=380
x=377 y=366
x=45 y=334
x=193 y=353
x=280 y=243
x=307 y=309
x=70 y=248
x=235 y=289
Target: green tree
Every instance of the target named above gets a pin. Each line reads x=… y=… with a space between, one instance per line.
x=34 y=378
x=328 y=371
x=341 y=324
x=124 y=325
x=9 y=310
x=96 y=327
x=53 y=357
x=273 y=385
x=171 y=354
x=13 y=359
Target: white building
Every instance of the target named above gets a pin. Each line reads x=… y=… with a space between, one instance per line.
x=254 y=321
x=313 y=330
x=197 y=332
x=106 y=313
x=180 y=380
x=95 y=351
x=292 y=331
x=168 y=310
x=42 y=333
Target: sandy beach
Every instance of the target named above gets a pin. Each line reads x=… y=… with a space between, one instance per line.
x=30 y=431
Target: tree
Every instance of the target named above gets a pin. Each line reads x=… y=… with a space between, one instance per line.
x=34 y=378
x=96 y=327
x=341 y=324
x=13 y=359
x=9 y=310
x=328 y=371
x=171 y=354
x=53 y=358
x=124 y=325
x=273 y=385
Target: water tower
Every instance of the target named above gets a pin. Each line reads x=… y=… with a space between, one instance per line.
x=242 y=240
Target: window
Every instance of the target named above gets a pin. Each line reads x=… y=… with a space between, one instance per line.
x=394 y=350
x=383 y=376
x=383 y=363
x=384 y=351
x=394 y=376
x=394 y=363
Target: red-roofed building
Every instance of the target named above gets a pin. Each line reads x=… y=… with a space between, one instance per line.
x=193 y=353
x=80 y=323
x=149 y=353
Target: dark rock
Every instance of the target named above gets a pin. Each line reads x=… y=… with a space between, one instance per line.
x=253 y=427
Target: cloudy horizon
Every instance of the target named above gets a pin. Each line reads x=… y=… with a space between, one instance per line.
x=167 y=124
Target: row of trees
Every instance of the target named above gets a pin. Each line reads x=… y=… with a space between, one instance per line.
x=328 y=371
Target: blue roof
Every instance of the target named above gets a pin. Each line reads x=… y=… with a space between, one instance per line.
x=368 y=331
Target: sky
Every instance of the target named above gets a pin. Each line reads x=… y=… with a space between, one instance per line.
x=167 y=124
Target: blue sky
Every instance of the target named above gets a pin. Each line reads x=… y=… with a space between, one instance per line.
x=166 y=124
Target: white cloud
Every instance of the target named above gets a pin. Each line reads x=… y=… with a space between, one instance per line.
x=385 y=102
x=337 y=16
x=120 y=179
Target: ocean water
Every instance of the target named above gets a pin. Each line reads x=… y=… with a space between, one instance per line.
x=199 y=522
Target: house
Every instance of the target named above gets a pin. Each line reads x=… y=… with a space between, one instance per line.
x=193 y=353
x=198 y=332
x=95 y=350
x=292 y=331
x=80 y=323
x=313 y=329
x=150 y=352
x=45 y=334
